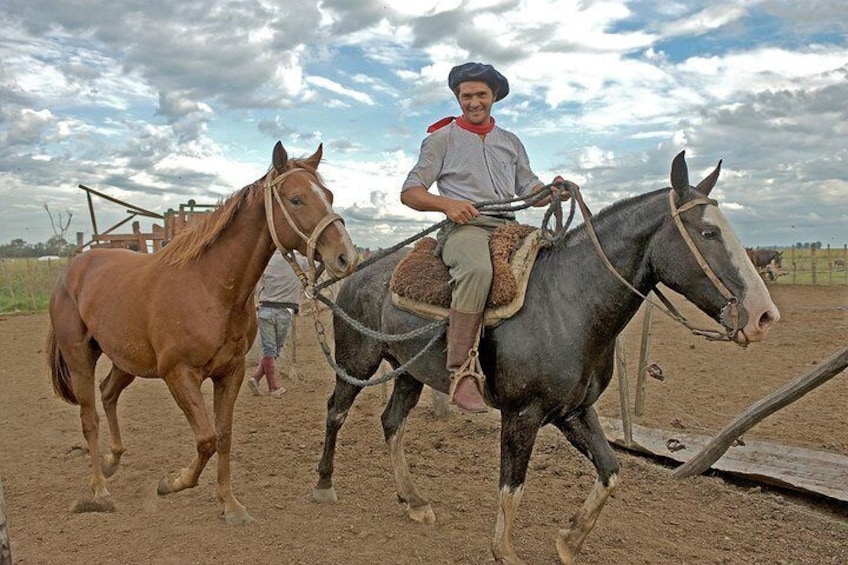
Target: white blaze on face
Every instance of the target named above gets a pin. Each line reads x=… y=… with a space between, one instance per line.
x=319 y=192
x=755 y=298
x=350 y=248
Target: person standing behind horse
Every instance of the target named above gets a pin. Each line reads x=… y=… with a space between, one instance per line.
x=278 y=293
x=471 y=160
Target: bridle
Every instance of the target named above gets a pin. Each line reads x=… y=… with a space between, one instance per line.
x=311 y=240
x=732 y=316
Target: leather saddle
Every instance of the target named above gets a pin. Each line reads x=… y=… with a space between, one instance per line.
x=420 y=283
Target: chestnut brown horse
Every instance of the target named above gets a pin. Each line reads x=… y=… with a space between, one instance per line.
x=186 y=314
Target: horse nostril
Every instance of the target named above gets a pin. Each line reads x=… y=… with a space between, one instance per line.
x=766 y=320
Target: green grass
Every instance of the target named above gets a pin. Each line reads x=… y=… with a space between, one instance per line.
x=819 y=266
x=26 y=284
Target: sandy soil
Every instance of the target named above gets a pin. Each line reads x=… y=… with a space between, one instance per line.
x=653 y=518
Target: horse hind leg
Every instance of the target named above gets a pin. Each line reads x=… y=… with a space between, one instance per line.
x=226 y=392
x=405 y=396
x=110 y=390
x=76 y=354
x=584 y=432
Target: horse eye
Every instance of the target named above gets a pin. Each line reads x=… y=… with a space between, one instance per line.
x=296 y=200
x=709 y=233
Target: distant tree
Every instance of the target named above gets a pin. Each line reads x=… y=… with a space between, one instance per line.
x=17 y=248
x=60 y=227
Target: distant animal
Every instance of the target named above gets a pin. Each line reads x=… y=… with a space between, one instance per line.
x=185 y=314
x=769 y=262
x=550 y=362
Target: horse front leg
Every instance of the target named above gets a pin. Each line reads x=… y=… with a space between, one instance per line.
x=405 y=396
x=584 y=432
x=184 y=384
x=338 y=406
x=110 y=390
x=226 y=392
x=518 y=434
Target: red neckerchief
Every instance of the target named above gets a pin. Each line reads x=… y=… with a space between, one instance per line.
x=464 y=124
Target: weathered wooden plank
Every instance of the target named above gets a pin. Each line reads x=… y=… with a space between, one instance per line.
x=784 y=396
x=794 y=467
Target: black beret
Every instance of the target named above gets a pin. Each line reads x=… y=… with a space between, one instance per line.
x=479 y=72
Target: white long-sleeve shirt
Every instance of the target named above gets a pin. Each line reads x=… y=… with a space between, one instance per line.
x=466 y=167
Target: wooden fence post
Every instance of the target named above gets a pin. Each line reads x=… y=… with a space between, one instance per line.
x=5 y=545
x=787 y=394
x=829 y=267
x=441 y=406
x=792 y=260
x=813 y=263
x=845 y=261
x=644 y=352
x=623 y=391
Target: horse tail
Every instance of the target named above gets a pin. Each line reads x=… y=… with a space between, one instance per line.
x=60 y=374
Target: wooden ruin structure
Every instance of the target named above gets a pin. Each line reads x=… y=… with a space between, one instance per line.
x=173 y=222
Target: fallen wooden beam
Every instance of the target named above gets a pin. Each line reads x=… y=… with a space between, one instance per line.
x=787 y=394
x=797 y=468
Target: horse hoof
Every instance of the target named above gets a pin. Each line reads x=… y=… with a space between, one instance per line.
x=108 y=468
x=324 y=495
x=163 y=487
x=422 y=514
x=101 y=504
x=567 y=554
x=238 y=518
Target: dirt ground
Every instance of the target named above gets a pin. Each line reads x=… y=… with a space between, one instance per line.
x=653 y=519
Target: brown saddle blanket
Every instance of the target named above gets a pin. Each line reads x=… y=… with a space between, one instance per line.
x=421 y=281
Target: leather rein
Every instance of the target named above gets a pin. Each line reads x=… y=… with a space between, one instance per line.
x=732 y=315
x=271 y=196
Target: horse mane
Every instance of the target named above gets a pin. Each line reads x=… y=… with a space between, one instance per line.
x=579 y=232
x=191 y=243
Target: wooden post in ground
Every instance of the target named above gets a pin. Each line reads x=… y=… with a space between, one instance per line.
x=5 y=545
x=441 y=407
x=293 y=341
x=644 y=352
x=787 y=394
x=623 y=391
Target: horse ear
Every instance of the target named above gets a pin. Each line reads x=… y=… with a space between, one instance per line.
x=315 y=159
x=706 y=185
x=280 y=157
x=680 y=174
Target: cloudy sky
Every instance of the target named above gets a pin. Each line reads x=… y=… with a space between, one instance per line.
x=157 y=102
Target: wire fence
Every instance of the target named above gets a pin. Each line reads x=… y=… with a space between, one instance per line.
x=813 y=266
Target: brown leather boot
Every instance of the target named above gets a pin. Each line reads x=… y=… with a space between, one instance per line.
x=466 y=389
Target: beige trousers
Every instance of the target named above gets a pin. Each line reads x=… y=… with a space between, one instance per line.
x=465 y=251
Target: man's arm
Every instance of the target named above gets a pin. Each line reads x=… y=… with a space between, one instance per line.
x=419 y=198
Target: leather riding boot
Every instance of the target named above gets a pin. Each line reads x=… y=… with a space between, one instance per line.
x=463 y=330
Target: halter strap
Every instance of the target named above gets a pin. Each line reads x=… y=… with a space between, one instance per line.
x=732 y=308
x=311 y=240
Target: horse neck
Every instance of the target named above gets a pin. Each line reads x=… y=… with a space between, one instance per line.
x=625 y=233
x=239 y=255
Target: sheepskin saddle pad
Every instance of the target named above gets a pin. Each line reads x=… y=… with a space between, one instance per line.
x=420 y=283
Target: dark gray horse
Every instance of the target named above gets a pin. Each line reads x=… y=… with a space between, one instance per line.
x=550 y=362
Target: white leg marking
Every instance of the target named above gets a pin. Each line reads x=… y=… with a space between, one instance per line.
x=508 y=502
x=571 y=540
